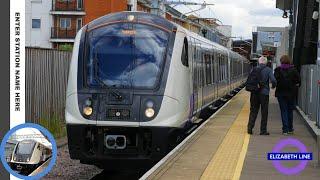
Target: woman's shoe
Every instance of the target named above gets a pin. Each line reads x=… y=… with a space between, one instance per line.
x=290 y=132
x=265 y=133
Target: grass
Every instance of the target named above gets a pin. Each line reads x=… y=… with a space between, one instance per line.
x=55 y=126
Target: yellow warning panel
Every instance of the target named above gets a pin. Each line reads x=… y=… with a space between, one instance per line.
x=227 y=162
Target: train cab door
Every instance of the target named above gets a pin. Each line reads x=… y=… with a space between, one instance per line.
x=194 y=77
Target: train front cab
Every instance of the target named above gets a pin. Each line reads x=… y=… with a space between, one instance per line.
x=121 y=109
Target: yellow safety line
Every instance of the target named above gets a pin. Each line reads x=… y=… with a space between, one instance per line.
x=242 y=157
x=228 y=161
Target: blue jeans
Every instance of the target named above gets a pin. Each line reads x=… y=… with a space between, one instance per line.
x=286 y=108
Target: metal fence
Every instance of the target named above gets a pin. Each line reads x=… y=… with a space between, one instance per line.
x=46 y=82
x=309 y=92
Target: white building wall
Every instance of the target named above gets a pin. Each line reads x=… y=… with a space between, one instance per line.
x=38 y=9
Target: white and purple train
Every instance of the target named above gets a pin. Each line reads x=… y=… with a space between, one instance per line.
x=136 y=82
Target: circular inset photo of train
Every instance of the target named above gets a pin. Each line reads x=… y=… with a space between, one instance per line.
x=28 y=151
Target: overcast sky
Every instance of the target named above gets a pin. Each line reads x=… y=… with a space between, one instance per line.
x=243 y=15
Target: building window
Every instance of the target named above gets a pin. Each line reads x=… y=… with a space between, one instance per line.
x=79 y=4
x=129 y=7
x=36 y=23
x=65 y=23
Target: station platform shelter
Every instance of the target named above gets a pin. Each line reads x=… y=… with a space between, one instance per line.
x=221 y=149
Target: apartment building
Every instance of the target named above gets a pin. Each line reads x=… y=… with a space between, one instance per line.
x=37 y=22
x=70 y=15
x=67 y=20
x=56 y=22
x=97 y=8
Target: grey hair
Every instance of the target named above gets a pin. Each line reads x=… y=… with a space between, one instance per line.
x=263 y=60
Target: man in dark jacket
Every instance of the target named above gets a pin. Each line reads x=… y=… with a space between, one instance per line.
x=261 y=98
x=288 y=80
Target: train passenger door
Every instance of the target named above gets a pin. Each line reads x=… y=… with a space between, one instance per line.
x=200 y=63
x=229 y=70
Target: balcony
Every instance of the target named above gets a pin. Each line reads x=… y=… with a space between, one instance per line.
x=67 y=7
x=63 y=34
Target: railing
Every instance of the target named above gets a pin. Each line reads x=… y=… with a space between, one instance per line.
x=67 y=5
x=46 y=83
x=309 y=92
x=63 y=33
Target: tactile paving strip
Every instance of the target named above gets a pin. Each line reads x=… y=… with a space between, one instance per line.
x=228 y=160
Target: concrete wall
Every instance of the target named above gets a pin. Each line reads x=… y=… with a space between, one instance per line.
x=38 y=9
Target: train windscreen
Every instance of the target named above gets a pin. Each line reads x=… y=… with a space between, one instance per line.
x=126 y=55
x=25 y=148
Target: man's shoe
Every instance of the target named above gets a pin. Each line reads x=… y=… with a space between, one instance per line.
x=291 y=132
x=285 y=133
x=265 y=133
x=250 y=131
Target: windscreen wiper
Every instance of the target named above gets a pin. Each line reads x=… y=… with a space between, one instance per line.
x=116 y=95
x=97 y=78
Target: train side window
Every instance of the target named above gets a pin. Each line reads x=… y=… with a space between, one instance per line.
x=212 y=68
x=208 y=69
x=224 y=68
x=184 y=54
x=220 y=68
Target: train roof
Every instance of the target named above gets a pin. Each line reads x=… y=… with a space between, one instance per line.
x=36 y=141
x=11 y=141
x=158 y=20
x=138 y=17
x=33 y=134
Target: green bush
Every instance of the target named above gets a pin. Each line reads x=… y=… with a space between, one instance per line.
x=55 y=126
x=65 y=47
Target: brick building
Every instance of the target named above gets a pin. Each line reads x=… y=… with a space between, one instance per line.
x=97 y=8
x=70 y=15
x=67 y=20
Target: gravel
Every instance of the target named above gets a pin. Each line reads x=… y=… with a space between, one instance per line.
x=66 y=168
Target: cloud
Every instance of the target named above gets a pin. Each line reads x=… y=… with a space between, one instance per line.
x=243 y=15
x=266 y=12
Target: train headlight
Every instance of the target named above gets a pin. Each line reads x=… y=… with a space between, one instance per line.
x=87 y=111
x=28 y=159
x=15 y=158
x=149 y=112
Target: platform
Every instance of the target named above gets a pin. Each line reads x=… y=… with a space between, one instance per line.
x=221 y=148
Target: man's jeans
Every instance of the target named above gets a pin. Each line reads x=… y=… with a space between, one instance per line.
x=286 y=108
x=257 y=100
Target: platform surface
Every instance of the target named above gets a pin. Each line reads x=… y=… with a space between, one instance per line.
x=222 y=149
